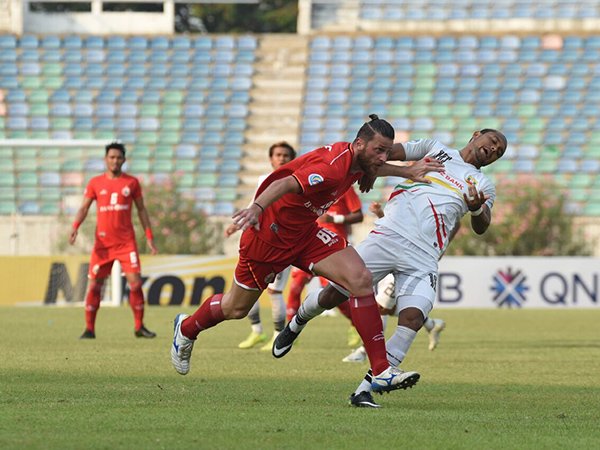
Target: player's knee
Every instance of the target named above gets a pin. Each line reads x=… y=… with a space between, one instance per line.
x=360 y=281
x=330 y=297
x=135 y=286
x=238 y=313
x=411 y=318
x=96 y=287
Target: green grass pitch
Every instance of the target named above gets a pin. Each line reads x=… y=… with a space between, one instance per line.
x=499 y=380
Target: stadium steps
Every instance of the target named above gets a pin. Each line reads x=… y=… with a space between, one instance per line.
x=276 y=99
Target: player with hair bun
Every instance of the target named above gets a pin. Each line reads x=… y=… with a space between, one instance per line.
x=280 y=229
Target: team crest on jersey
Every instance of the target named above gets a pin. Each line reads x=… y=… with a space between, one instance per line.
x=471 y=180
x=103 y=192
x=315 y=178
x=125 y=191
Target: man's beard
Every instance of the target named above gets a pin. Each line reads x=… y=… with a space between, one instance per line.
x=365 y=165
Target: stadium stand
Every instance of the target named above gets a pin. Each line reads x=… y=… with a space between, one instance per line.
x=540 y=90
x=167 y=98
x=472 y=9
x=184 y=107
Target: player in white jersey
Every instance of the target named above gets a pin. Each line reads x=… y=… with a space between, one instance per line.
x=280 y=153
x=386 y=298
x=414 y=233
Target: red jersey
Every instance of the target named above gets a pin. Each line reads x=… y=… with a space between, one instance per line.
x=324 y=175
x=114 y=198
x=347 y=203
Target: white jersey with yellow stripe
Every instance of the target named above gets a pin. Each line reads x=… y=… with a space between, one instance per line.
x=425 y=214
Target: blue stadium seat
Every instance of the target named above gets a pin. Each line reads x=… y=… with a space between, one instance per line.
x=223 y=209
x=98 y=56
x=159 y=43
x=114 y=56
x=28 y=41
x=137 y=43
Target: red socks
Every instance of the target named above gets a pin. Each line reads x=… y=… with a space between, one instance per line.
x=136 y=301
x=345 y=309
x=208 y=315
x=92 y=304
x=366 y=319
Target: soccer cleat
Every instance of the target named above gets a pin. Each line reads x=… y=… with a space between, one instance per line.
x=363 y=400
x=283 y=342
x=357 y=356
x=393 y=378
x=88 y=334
x=144 y=332
x=434 y=334
x=253 y=339
x=269 y=345
x=181 y=349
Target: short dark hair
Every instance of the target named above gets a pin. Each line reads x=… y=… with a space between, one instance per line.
x=117 y=145
x=285 y=145
x=498 y=133
x=375 y=126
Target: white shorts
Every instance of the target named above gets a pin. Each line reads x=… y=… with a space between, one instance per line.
x=280 y=280
x=415 y=271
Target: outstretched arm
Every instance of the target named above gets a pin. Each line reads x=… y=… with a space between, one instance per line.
x=415 y=171
x=248 y=217
x=80 y=216
x=145 y=220
x=398 y=153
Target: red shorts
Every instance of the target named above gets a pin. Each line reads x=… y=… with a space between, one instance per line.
x=260 y=262
x=103 y=257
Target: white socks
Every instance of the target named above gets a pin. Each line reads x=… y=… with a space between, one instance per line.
x=308 y=310
x=365 y=384
x=398 y=345
x=278 y=310
x=429 y=324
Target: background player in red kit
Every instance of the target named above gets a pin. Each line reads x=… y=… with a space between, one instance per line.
x=343 y=213
x=280 y=229
x=114 y=192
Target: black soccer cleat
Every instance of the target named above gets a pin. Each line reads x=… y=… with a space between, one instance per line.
x=283 y=342
x=144 y=332
x=88 y=334
x=363 y=400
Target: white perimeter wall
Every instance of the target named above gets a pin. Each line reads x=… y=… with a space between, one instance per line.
x=518 y=282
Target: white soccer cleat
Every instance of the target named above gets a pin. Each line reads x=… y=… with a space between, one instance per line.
x=393 y=378
x=357 y=356
x=181 y=349
x=434 y=334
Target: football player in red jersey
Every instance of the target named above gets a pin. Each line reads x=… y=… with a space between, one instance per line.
x=343 y=213
x=280 y=229
x=114 y=192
